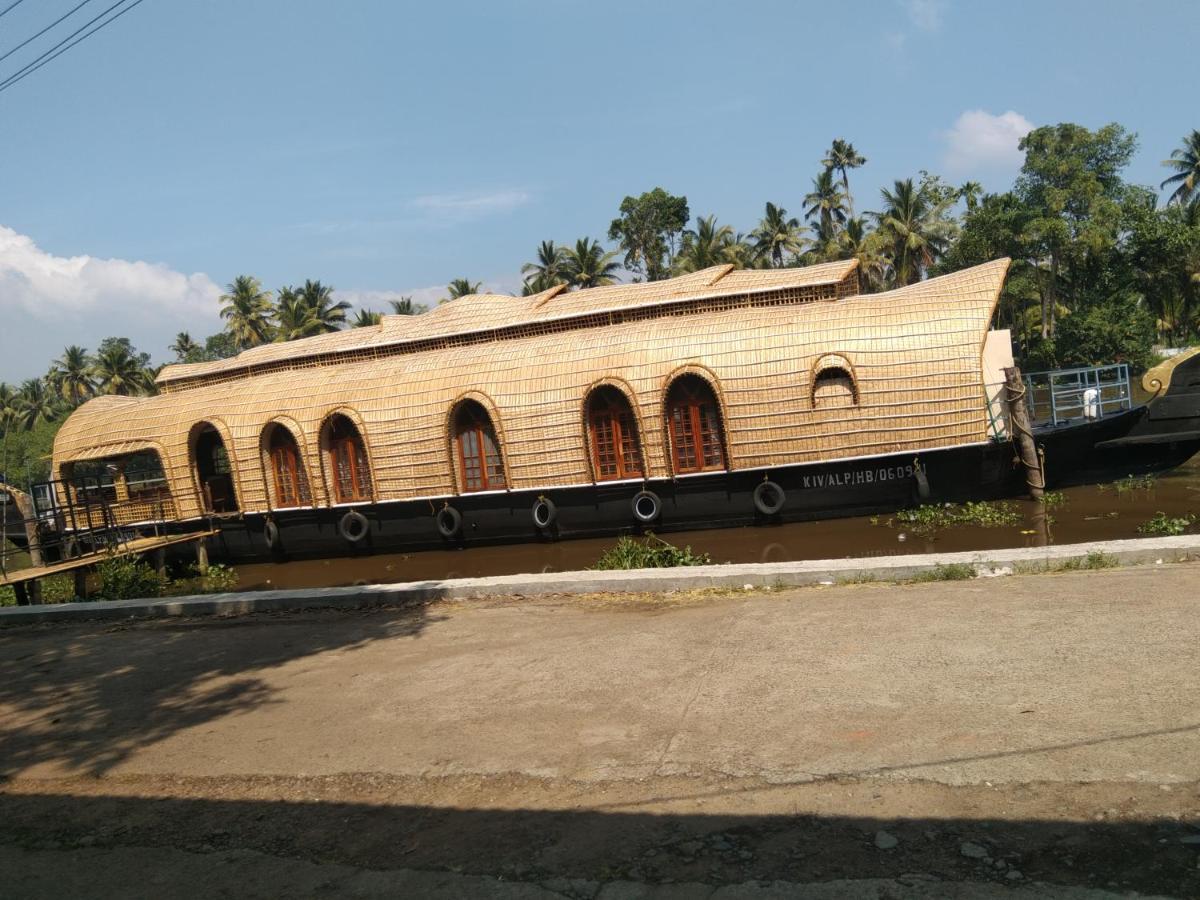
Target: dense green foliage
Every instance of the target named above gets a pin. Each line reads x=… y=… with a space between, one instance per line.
x=127 y=578
x=649 y=552
x=1161 y=523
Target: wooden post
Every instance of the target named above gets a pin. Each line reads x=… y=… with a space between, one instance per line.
x=160 y=561
x=35 y=592
x=202 y=556
x=24 y=504
x=1021 y=430
x=81 y=583
x=22 y=593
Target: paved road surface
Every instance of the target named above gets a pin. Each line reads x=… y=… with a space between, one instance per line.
x=1011 y=731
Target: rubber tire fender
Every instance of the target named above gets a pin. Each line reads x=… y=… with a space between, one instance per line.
x=549 y=513
x=449 y=521
x=762 y=490
x=636 y=505
x=271 y=534
x=354 y=526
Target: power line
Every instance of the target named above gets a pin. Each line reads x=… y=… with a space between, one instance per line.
x=11 y=7
x=43 y=31
x=50 y=54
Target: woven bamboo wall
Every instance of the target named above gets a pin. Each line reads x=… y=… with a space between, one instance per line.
x=915 y=354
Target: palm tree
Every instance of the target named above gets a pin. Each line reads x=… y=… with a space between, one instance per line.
x=34 y=403
x=870 y=249
x=547 y=268
x=709 y=244
x=366 y=318
x=588 y=265
x=405 y=307
x=71 y=376
x=325 y=314
x=971 y=191
x=826 y=203
x=246 y=307
x=777 y=236
x=462 y=287
x=842 y=157
x=8 y=408
x=918 y=229
x=116 y=371
x=293 y=317
x=184 y=347
x=1186 y=163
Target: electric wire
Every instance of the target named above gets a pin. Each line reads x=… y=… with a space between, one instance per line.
x=50 y=54
x=66 y=15
x=11 y=7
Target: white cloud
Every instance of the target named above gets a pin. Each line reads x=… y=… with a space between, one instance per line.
x=48 y=301
x=926 y=15
x=979 y=141
x=37 y=283
x=472 y=205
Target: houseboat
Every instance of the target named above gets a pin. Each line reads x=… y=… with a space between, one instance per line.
x=720 y=398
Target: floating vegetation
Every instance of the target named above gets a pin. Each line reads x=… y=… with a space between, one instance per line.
x=1168 y=525
x=945 y=572
x=1131 y=483
x=982 y=513
x=1054 y=499
x=649 y=553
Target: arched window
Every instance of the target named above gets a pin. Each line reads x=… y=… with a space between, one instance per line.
x=289 y=481
x=834 y=388
x=476 y=450
x=694 y=426
x=213 y=471
x=349 y=471
x=612 y=432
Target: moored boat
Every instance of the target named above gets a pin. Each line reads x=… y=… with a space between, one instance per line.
x=719 y=398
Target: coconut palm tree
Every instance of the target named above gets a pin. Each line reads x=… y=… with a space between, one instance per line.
x=1186 y=162
x=587 y=264
x=71 y=375
x=709 y=244
x=366 y=318
x=292 y=316
x=117 y=371
x=870 y=249
x=35 y=403
x=547 y=268
x=246 y=309
x=842 y=157
x=8 y=407
x=777 y=236
x=184 y=347
x=826 y=203
x=971 y=191
x=917 y=227
x=463 y=287
x=325 y=314
x=405 y=307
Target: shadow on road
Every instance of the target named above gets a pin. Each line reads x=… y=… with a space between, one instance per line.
x=74 y=697
x=536 y=846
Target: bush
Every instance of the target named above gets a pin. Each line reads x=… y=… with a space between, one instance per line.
x=985 y=514
x=128 y=578
x=1168 y=525
x=946 y=572
x=217 y=579
x=649 y=553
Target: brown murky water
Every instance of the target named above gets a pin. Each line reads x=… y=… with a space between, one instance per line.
x=1091 y=513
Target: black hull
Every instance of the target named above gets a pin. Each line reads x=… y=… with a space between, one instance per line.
x=718 y=500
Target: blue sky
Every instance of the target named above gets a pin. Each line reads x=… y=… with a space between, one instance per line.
x=386 y=148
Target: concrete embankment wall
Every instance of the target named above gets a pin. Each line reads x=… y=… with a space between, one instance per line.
x=758 y=575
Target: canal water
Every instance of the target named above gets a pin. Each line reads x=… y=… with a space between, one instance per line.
x=1090 y=513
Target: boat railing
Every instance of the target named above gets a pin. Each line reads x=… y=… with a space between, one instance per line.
x=1060 y=396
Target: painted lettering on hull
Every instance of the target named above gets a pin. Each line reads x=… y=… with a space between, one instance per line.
x=856 y=477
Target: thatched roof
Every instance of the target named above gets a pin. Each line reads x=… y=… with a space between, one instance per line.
x=488 y=312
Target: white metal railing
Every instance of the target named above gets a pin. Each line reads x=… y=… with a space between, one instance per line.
x=1062 y=395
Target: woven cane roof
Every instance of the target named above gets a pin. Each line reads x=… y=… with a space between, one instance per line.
x=487 y=312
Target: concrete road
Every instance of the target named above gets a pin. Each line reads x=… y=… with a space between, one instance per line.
x=1017 y=693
